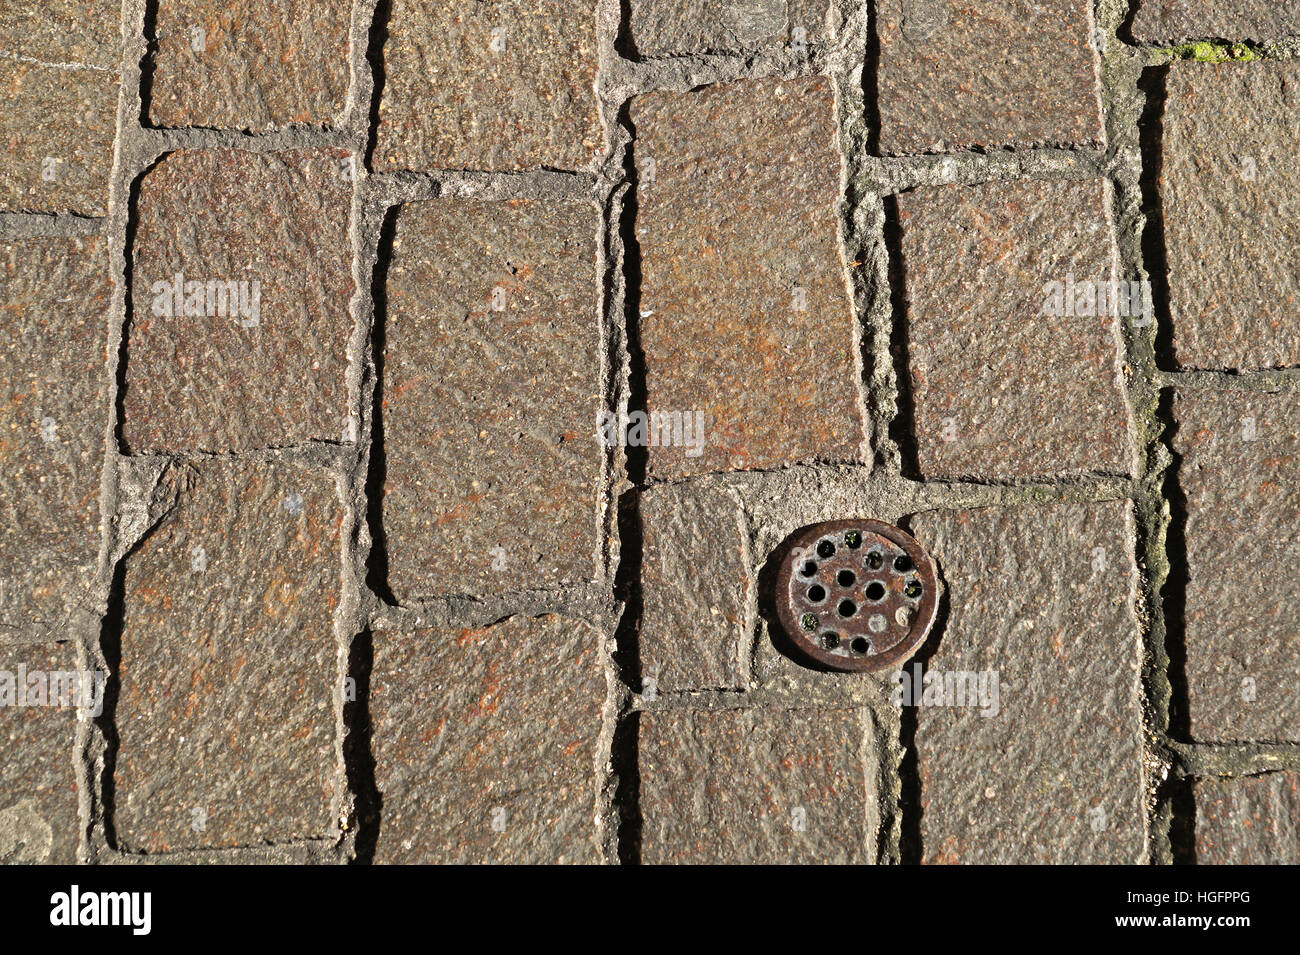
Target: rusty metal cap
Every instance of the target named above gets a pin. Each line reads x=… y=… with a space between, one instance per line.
x=856 y=595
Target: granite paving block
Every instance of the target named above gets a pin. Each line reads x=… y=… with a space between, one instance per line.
x=242 y=290
x=491 y=389
x=1029 y=730
x=745 y=324
x=1013 y=373
x=228 y=671
x=54 y=413
x=486 y=742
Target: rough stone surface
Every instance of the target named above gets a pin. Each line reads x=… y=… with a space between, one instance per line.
x=1160 y=21
x=485 y=743
x=59 y=68
x=1250 y=821
x=1043 y=597
x=1231 y=217
x=1240 y=453
x=250 y=64
x=494 y=470
x=697 y=586
x=757 y=787
x=659 y=27
x=1001 y=390
x=38 y=770
x=744 y=313
x=54 y=299
x=228 y=662
x=503 y=86
x=956 y=74
x=233 y=379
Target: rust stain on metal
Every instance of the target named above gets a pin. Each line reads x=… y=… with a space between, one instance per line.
x=856 y=595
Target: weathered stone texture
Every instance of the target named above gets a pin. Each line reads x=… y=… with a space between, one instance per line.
x=1240 y=458
x=1231 y=214
x=697 y=584
x=1159 y=21
x=1251 y=821
x=59 y=69
x=39 y=818
x=251 y=64
x=257 y=364
x=999 y=388
x=757 y=786
x=744 y=313
x=659 y=27
x=503 y=86
x=491 y=387
x=957 y=74
x=1051 y=770
x=228 y=667
x=485 y=743
x=54 y=409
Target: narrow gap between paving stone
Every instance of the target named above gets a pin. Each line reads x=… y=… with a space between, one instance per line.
x=1182 y=827
x=902 y=428
x=627 y=576
x=1153 y=83
x=358 y=757
x=375 y=57
x=377 y=475
x=1173 y=594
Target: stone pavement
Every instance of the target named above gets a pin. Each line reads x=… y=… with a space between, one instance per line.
x=404 y=403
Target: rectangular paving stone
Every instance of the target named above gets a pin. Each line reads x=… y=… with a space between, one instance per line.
x=1250 y=821
x=228 y=670
x=1158 y=21
x=485 y=743
x=505 y=86
x=1231 y=214
x=54 y=411
x=1001 y=390
x=39 y=818
x=744 y=314
x=1240 y=454
x=1049 y=769
x=242 y=288
x=757 y=787
x=251 y=64
x=697 y=586
x=659 y=27
x=60 y=65
x=491 y=387
x=960 y=74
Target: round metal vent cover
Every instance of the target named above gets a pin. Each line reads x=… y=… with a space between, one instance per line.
x=856 y=595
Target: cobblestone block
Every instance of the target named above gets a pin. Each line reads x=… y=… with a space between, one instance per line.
x=54 y=298
x=39 y=818
x=1250 y=821
x=744 y=317
x=1029 y=737
x=1231 y=217
x=60 y=68
x=661 y=27
x=491 y=391
x=1168 y=21
x=1008 y=380
x=228 y=667
x=502 y=86
x=758 y=786
x=956 y=74
x=1240 y=452
x=250 y=64
x=242 y=289
x=698 y=586
x=485 y=743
